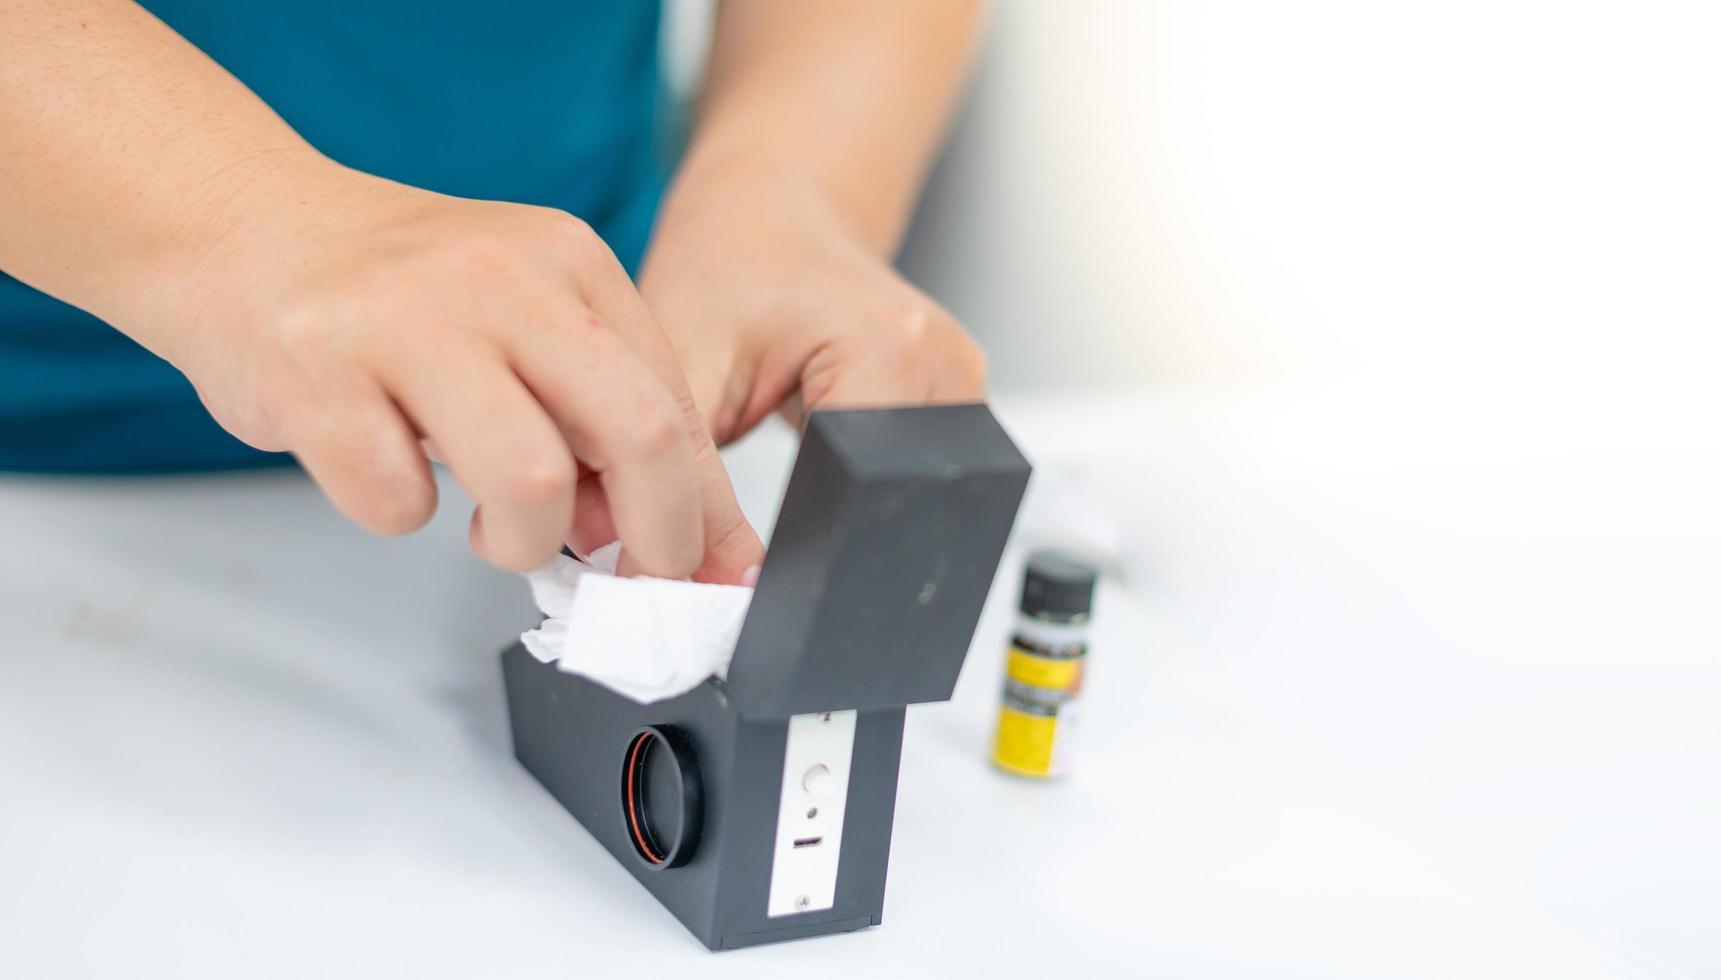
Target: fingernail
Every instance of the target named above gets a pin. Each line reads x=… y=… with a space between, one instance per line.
x=750 y=577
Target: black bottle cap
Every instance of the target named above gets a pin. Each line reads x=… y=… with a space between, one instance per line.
x=1058 y=585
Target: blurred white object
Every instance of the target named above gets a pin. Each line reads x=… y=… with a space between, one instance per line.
x=1507 y=197
x=1062 y=512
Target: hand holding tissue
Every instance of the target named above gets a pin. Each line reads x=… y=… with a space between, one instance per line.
x=645 y=638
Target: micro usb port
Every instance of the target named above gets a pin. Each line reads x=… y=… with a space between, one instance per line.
x=801 y=842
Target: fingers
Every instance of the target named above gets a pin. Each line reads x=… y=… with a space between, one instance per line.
x=720 y=386
x=624 y=424
x=500 y=444
x=730 y=544
x=733 y=548
x=614 y=300
x=467 y=330
x=594 y=525
x=963 y=377
x=794 y=411
x=364 y=455
x=918 y=356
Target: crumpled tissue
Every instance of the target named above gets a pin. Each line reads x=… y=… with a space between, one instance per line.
x=645 y=638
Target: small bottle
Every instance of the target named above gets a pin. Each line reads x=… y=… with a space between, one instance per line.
x=1043 y=676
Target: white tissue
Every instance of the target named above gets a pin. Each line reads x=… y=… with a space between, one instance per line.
x=645 y=638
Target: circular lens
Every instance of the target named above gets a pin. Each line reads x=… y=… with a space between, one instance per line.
x=660 y=796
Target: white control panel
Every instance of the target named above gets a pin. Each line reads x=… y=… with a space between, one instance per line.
x=810 y=813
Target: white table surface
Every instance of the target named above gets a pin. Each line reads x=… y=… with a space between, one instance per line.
x=1365 y=702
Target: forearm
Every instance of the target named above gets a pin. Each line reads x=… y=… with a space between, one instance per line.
x=845 y=99
x=126 y=155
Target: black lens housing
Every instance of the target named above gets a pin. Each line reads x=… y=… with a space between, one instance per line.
x=662 y=801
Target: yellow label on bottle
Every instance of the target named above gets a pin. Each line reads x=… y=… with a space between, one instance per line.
x=1024 y=743
x=1057 y=673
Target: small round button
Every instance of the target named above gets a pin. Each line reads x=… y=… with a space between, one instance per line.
x=818 y=782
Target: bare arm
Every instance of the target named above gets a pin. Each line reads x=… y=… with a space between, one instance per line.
x=344 y=317
x=848 y=96
x=126 y=153
x=770 y=269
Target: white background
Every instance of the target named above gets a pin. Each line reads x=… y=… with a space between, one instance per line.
x=1506 y=194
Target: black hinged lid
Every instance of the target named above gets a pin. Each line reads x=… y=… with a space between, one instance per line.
x=882 y=556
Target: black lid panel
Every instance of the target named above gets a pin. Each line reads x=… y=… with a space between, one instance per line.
x=883 y=553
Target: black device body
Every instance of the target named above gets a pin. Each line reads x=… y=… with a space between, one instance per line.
x=882 y=556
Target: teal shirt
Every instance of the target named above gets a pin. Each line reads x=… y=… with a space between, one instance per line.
x=551 y=103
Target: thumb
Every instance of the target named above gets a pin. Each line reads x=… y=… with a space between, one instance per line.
x=695 y=365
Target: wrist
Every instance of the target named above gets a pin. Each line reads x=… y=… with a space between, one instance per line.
x=244 y=233
x=758 y=197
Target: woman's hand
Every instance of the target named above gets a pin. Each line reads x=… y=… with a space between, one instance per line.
x=773 y=302
x=367 y=318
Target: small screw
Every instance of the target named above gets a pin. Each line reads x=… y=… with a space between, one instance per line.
x=812 y=812
x=825 y=717
x=802 y=902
